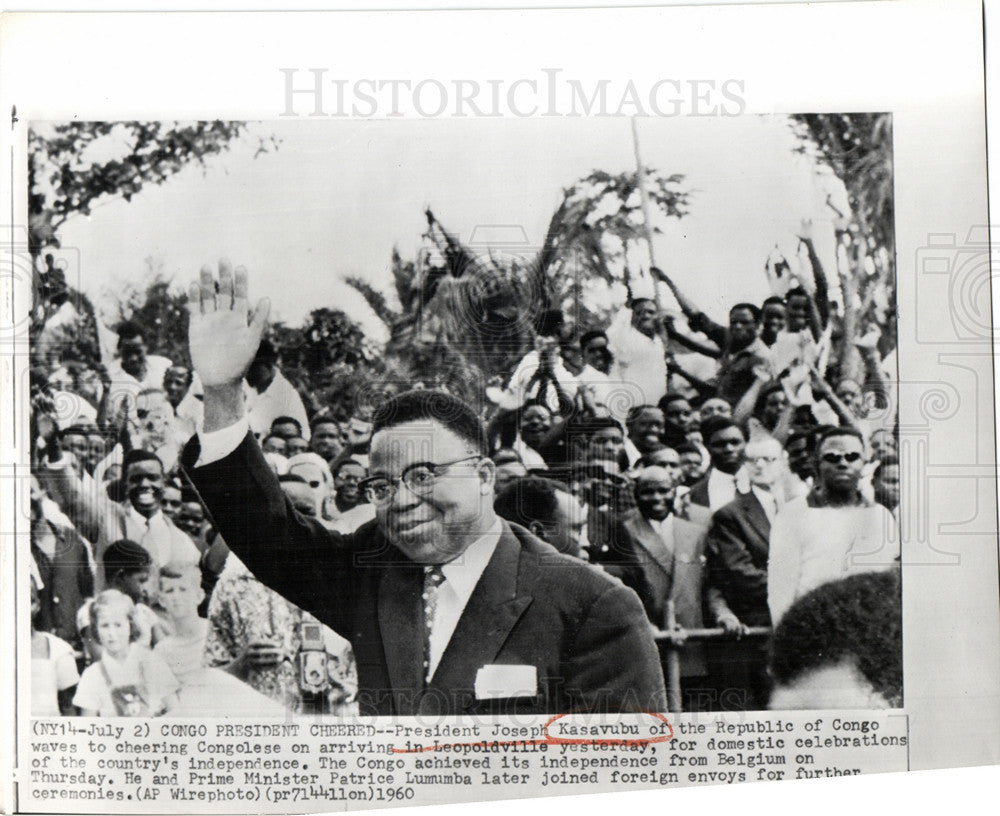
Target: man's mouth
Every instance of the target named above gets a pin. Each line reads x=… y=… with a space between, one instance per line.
x=144 y=497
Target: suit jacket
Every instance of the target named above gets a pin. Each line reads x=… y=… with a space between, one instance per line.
x=659 y=574
x=583 y=632
x=737 y=548
x=699 y=492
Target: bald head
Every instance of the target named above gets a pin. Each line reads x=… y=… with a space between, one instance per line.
x=654 y=492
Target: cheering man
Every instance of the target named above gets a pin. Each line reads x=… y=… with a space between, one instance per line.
x=449 y=609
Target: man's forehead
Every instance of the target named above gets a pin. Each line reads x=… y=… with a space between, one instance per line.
x=762 y=448
x=845 y=442
x=417 y=441
x=145 y=466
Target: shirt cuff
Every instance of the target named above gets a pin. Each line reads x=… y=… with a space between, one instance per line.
x=216 y=445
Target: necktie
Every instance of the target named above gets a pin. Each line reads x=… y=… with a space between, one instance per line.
x=433 y=578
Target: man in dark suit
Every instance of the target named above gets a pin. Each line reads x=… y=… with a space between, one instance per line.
x=737 y=548
x=448 y=608
x=660 y=555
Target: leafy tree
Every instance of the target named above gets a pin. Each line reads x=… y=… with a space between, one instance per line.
x=160 y=308
x=328 y=360
x=857 y=148
x=467 y=316
x=74 y=165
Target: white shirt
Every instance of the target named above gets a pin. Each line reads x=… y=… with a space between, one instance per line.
x=810 y=546
x=126 y=387
x=721 y=489
x=639 y=370
x=279 y=399
x=518 y=392
x=164 y=542
x=598 y=382
x=530 y=458
x=767 y=501
x=665 y=529
x=461 y=577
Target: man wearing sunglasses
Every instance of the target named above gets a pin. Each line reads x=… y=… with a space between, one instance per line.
x=448 y=608
x=831 y=533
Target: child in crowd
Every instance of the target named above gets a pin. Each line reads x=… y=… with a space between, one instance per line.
x=127 y=567
x=180 y=594
x=53 y=669
x=128 y=680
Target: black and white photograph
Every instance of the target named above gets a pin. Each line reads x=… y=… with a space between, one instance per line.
x=609 y=426
x=395 y=431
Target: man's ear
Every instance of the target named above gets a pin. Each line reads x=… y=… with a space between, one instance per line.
x=487 y=471
x=538 y=529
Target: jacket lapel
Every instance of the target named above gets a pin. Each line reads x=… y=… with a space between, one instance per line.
x=493 y=608
x=400 y=618
x=651 y=542
x=756 y=517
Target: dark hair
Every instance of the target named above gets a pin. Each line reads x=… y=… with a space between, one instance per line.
x=750 y=307
x=548 y=322
x=323 y=420
x=437 y=406
x=506 y=456
x=671 y=397
x=858 y=619
x=587 y=336
x=184 y=368
x=266 y=353
x=891 y=460
x=125 y=555
x=529 y=499
x=688 y=447
x=773 y=299
x=715 y=424
x=798 y=291
x=283 y=419
x=77 y=430
x=795 y=436
x=139 y=455
x=271 y=436
x=343 y=463
x=839 y=430
x=583 y=426
x=128 y=329
x=638 y=410
x=765 y=392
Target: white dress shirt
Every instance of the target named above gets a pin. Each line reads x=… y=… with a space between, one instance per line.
x=461 y=577
x=639 y=370
x=767 y=501
x=721 y=489
x=125 y=388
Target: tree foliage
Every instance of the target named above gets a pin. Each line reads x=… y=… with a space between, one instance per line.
x=466 y=315
x=74 y=166
x=857 y=148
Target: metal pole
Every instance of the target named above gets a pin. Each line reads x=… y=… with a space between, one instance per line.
x=673 y=664
x=640 y=172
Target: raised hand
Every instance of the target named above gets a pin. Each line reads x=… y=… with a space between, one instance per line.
x=223 y=336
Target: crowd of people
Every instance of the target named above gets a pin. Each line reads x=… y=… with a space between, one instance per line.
x=731 y=476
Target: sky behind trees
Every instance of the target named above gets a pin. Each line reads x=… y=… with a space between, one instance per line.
x=335 y=197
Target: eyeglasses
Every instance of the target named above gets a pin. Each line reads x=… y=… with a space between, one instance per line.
x=837 y=458
x=762 y=460
x=419 y=478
